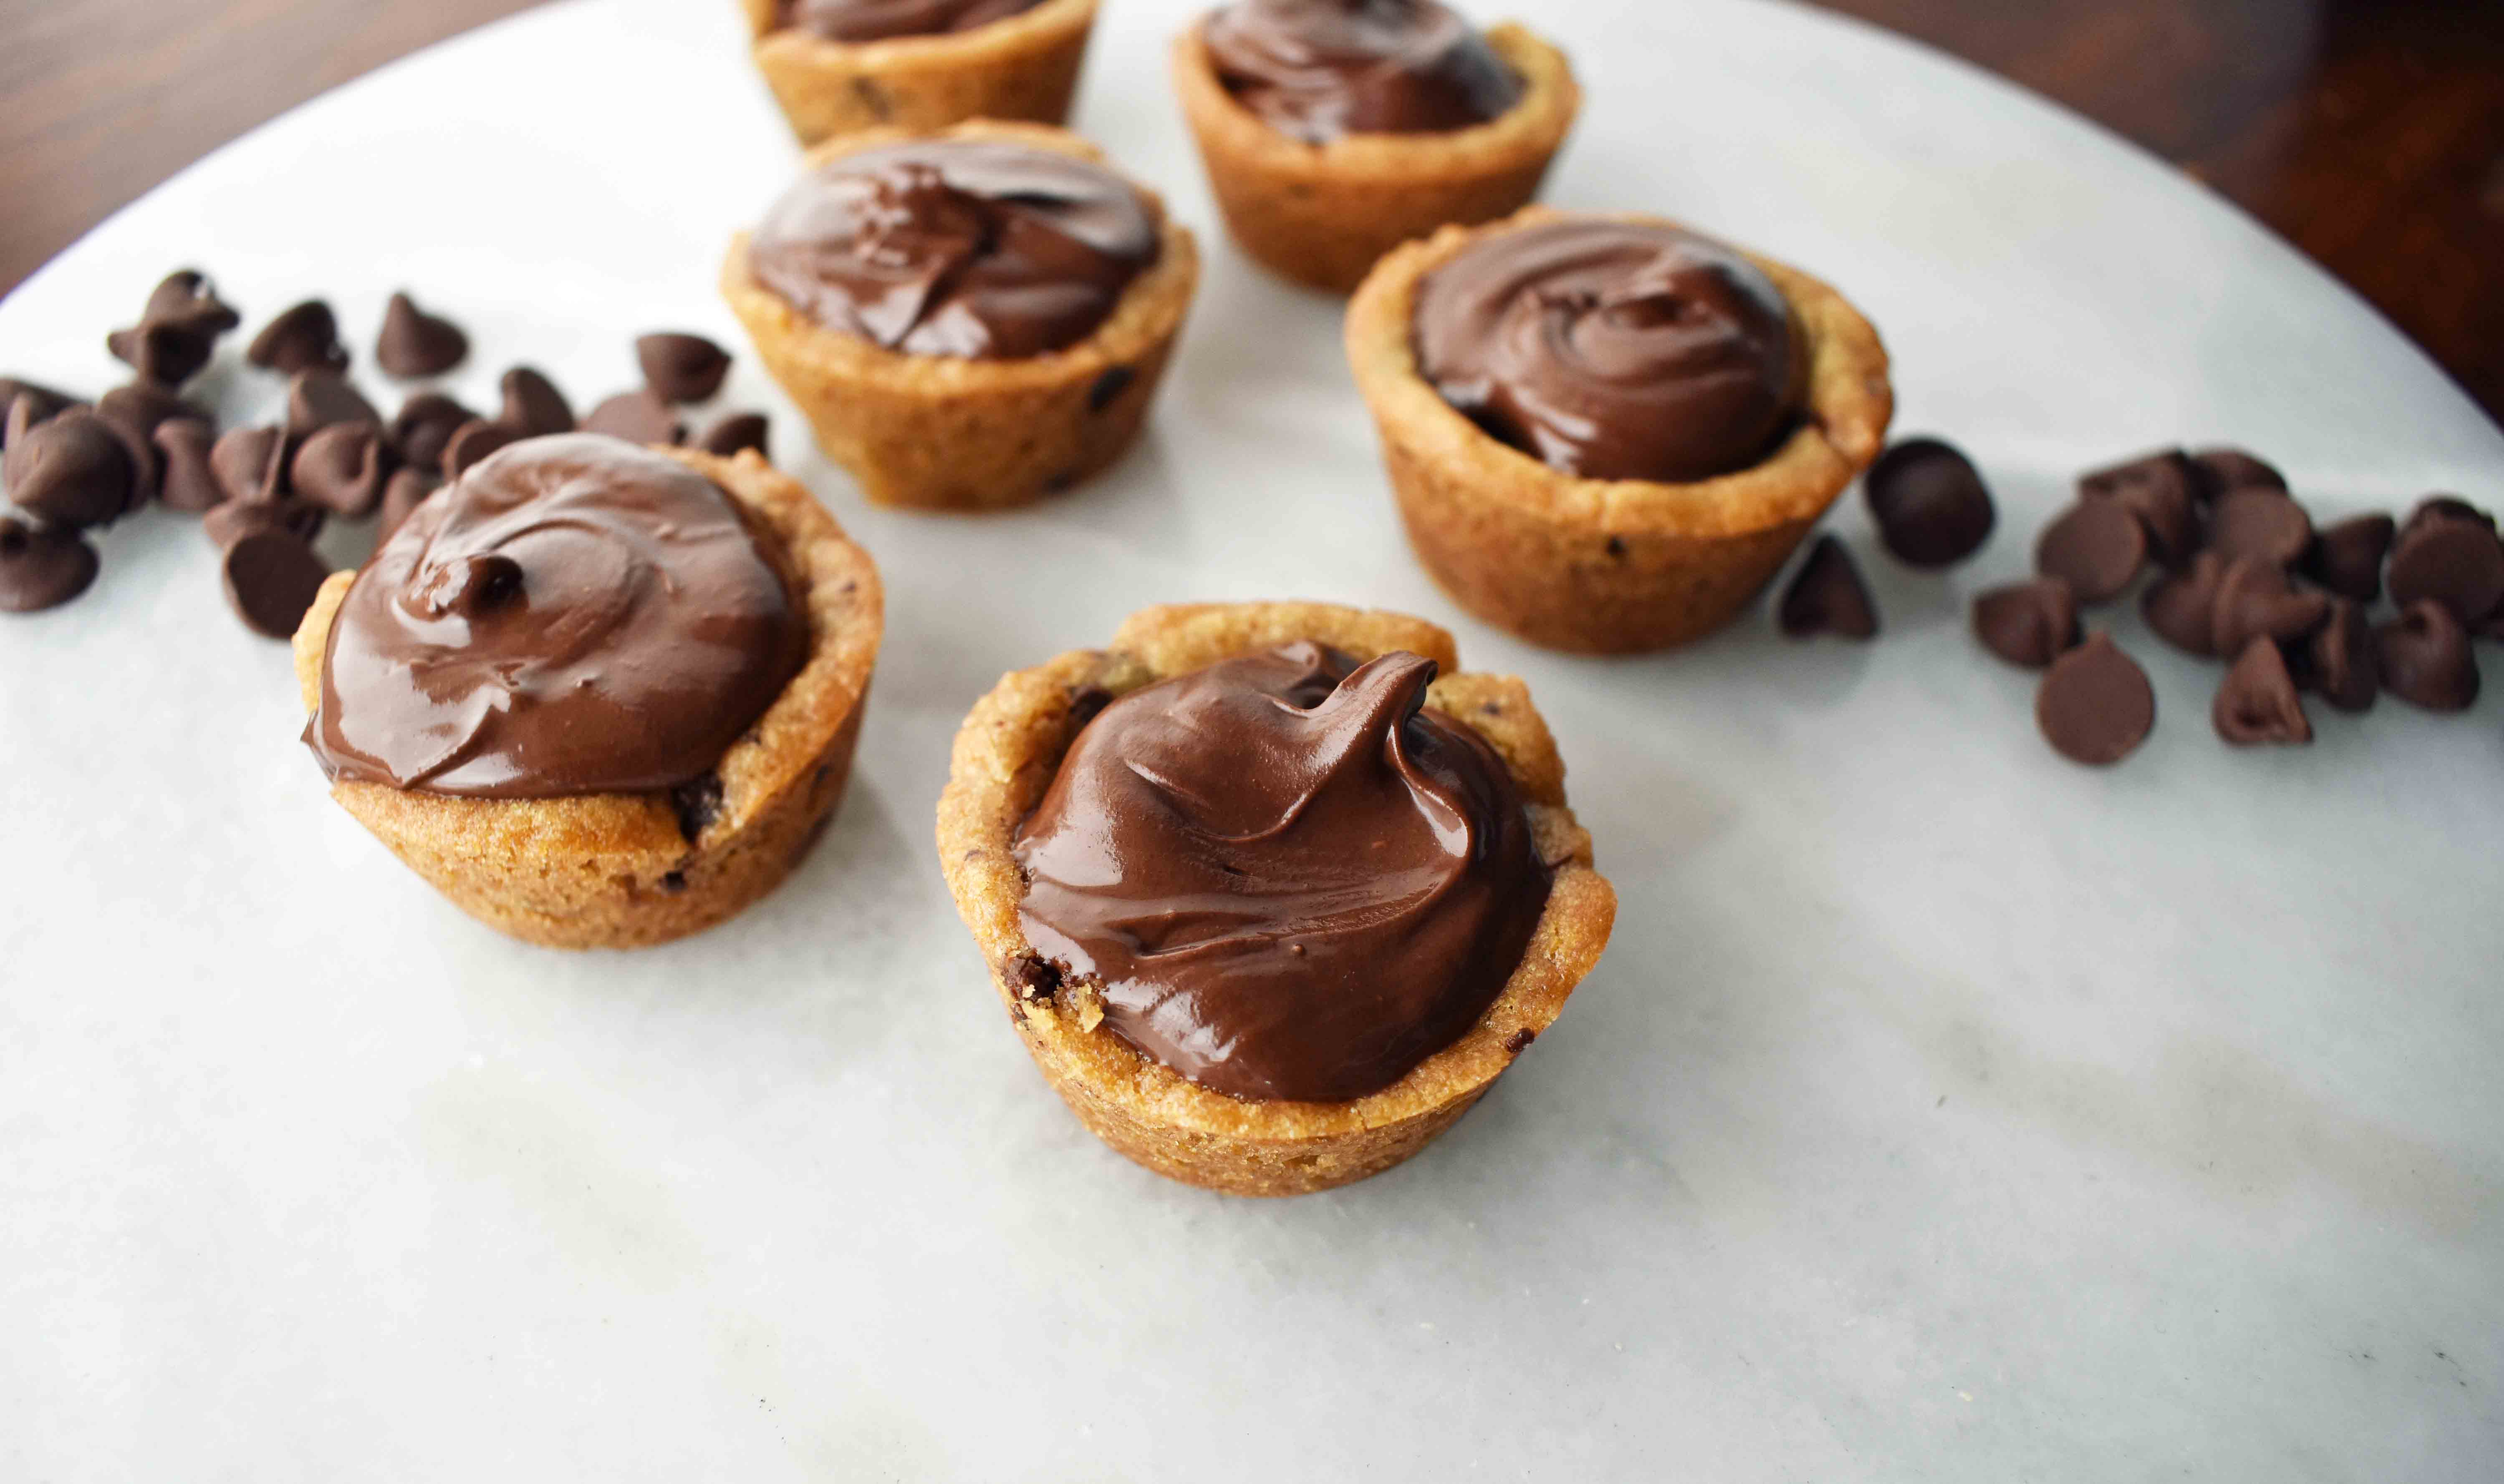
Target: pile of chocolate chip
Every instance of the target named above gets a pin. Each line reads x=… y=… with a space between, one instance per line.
x=265 y=493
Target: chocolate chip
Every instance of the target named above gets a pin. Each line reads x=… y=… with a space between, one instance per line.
x=41 y=403
x=1519 y=1041
x=2098 y=546
x=2183 y=607
x=2028 y=623
x=342 y=469
x=70 y=470
x=2424 y=659
x=319 y=399
x=189 y=484
x=426 y=423
x=2348 y=558
x=638 y=417
x=2220 y=469
x=2339 y=659
x=2255 y=599
x=475 y=441
x=735 y=434
x=696 y=804
x=414 y=343
x=134 y=412
x=2456 y=562
x=2442 y=507
x=251 y=463
x=305 y=338
x=681 y=367
x=186 y=296
x=2261 y=523
x=1828 y=595
x=2095 y=706
x=407 y=491
x=271 y=578
x=237 y=519
x=1931 y=506
x=2166 y=466
x=1109 y=387
x=2162 y=491
x=532 y=405
x=2257 y=705
x=41 y=567
x=1035 y=977
x=168 y=355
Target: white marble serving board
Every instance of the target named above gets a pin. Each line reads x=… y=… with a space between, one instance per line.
x=1942 y=1111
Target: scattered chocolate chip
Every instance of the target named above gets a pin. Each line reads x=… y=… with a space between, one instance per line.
x=191 y=483
x=2183 y=607
x=167 y=354
x=42 y=567
x=2339 y=659
x=2220 y=469
x=532 y=405
x=342 y=469
x=2095 y=706
x=305 y=338
x=2028 y=623
x=414 y=343
x=696 y=804
x=425 y=423
x=2440 y=507
x=680 y=367
x=407 y=491
x=41 y=403
x=638 y=417
x=2167 y=465
x=2162 y=491
x=2454 y=561
x=2097 y=546
x=319 y=399
x=1519 y=1041
x=186 y=296
x=135 y=412
x=271 y=578
x=69 y=471
x=237 y=519
x=2257 y=705
x=2254 y=599
x=251 y=463
x=2348 y=557
x=2424 y=659
x=738 y=433
x=1827 y=596
x=475 y=441
x=2262 y=523
x=1931 y=506
x=1109 y=387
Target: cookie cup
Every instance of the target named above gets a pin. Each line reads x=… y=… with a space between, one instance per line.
x=1607 y=566
x=631 y=870
x=1007 y=755
x=1023 y=67
x=943 y=433
x=1323 y=215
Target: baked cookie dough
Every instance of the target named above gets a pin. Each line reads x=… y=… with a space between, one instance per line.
x=1024 y=67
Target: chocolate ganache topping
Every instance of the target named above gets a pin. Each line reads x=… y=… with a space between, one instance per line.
x=957 y=247
x=1615 y=350
x=575 y=615
x=1287 y=877
x=858 y=20
x=1320 y=70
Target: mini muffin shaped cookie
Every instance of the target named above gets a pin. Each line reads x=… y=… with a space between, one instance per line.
x=841 y=66
x=970 y=320
x=1272 y=893
x=1334 y=130
x=601 y=695
x=1607 y=434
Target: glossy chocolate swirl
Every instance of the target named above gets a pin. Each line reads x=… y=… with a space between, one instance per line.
x=1615 y=350
x=957 y=247
x=859 y=20
x=1320 y=70
x=576 y=615
x=1288 y=878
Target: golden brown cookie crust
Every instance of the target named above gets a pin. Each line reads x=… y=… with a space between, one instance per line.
x=1007 y=754
x=1607 y=566
x=1024 y=67
x=1325 y=214
x=942 y=432
x=615 y=871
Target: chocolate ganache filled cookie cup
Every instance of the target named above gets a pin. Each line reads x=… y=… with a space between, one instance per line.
x=1334 y=130
x=1607 y=434
x=601 y=695
x=969 y=319
x=1272 y=891
x=841 y=66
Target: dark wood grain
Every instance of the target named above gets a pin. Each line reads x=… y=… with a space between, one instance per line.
x=2369 y=133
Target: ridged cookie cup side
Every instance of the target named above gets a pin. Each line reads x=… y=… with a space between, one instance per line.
x=622 y=871
x=1323 y=215
x=941 y=432
x=1607 y=566
x=1024 y=67
x=1007 y=755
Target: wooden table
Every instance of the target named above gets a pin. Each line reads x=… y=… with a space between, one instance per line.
x=2370 y=132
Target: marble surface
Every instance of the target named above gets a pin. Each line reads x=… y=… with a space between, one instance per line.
x=1942 y=1111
